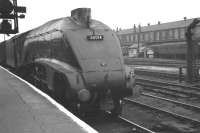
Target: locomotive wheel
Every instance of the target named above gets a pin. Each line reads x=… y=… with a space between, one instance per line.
x=73 y=107
x=90 y=108
x=59 y=88
x=117 y=110
x=95 y=102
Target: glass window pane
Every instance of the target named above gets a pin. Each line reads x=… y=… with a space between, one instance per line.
x=146 y=36
x=127 y=38
x=157 y=36
x=136 y=38
x=170 y=34
x=132 y=38
x=141 y=37
x=182 y=33
x=176 y=34
x=151 y=36
x=163 y=35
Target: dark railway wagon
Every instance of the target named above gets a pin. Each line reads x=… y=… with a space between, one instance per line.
x=76 y=59
x=173 y=51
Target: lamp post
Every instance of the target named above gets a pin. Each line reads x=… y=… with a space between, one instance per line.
x=191 y=67
x=139 y=31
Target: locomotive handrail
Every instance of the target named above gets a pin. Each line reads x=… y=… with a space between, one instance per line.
x=45 y=33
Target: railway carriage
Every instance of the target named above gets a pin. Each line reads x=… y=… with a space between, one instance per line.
x=76 y=59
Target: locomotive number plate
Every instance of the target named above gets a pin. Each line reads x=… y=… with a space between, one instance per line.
x=95 y=37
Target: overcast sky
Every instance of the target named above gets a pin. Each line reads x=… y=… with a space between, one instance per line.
x=114 y=13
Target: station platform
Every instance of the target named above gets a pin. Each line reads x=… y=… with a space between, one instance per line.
x=25 y=109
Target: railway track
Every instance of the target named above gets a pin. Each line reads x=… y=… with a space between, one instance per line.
x=187 y=111
x=106 y=123
x=138 y=128
x=155 y=119
x=172 y=89
x=173 y=101
x=156 y=62
x=163 y=75
x=176 y=123
x=180 y=110
x=168 y=84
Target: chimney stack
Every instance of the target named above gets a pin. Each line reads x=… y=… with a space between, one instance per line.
x=82 y=15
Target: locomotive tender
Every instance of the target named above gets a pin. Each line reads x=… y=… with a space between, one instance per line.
x=77 y=59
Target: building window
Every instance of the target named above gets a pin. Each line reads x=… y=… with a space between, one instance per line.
x=146 y=37
x=132 y=38
x=157 y=36
x=182 y=33
x=136 y=38
x=163 y=35
x=151 y=34
x=141 y=37
x=197 y=32
x=122 y=38
x=176 y=34
x=170 y=34
x=127 y=38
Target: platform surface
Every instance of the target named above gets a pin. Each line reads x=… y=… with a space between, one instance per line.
x=24 y=110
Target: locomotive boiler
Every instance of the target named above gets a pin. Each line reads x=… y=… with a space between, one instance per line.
x=76 y=59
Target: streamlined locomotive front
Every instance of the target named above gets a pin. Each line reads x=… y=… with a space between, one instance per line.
x=98 y=52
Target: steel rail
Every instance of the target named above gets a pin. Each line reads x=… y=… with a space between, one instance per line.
x=168 y=83
x=161 y=110
x=163 y=75
x=169 y=89
x=160 y=87
x=169 y=63
x=133 y=123
x=173 y=101
x=162 y=92
x=138 y=126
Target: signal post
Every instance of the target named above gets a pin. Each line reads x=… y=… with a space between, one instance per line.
x=9 y=15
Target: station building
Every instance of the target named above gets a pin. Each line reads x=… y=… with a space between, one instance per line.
x=162 y=40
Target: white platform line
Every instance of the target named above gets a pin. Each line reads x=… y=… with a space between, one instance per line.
x=81 y=123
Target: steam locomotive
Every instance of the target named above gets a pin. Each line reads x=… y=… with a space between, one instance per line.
x=75 y=59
